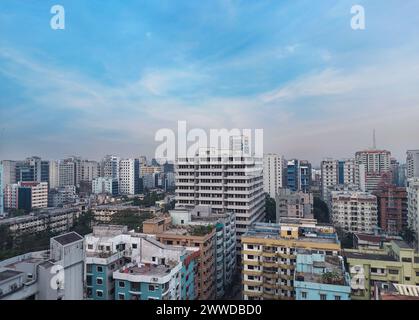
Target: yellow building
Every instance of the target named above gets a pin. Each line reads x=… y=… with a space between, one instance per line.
x=269 y=255
x=395 y=263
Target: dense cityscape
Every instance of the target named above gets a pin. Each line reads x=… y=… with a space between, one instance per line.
x=218 y=226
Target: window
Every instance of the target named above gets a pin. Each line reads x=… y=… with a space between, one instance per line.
x=407 y=278
x=304 y=295
x=250 y=257
x=153 y=259
x=289 y=233
x=99 y=269
x=250 y=247
x=393 y=271
x=121 y=296
x=417 y=273
x=99 y=281
x=99 y=293
x=90 y=246
x=121 y=284
x=337 y=297
x=406 y=260
x=151 y=287
x=322 y=296
x=89 y=280
x=89 y=268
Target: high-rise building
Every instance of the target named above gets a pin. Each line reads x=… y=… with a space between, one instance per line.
x=105 y=185
x=32 y=195
x=89 y=170
x=67 y=173
x=273 y=173
x=54 y=174
x=298 y=175
x=109 y=167
x=270 y=254
x=129 y=176
x=1 y=191
x=10 y=196
x=225 y=180
x=346 y=172
x=392 y=208
x=413 y=206
x=412 y=164
x=354 y=211
x=9 y=172
x=293 y=204
x=377 y=164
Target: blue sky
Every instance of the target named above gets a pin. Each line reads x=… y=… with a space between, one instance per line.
x=122 y=70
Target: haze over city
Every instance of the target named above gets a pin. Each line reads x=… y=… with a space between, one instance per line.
x=118 y=73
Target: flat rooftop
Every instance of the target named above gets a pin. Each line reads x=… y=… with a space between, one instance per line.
x=68 y=238
x=149 y=269
x=7 y=274
x=368 y=256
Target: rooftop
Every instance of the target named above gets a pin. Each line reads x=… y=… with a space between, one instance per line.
x=68 y=238
x=368 y=256
x=7 y=274
x=329 y=271
x=149 y=269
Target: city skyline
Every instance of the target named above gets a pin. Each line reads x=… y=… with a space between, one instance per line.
x=118 y=74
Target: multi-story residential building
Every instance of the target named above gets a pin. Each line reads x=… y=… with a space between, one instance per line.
x=392 y=208
x=149 y=170
x=270 y=253
x=354 y=211
x=88 y=171
x=32 y=195
x=67 y=173
x=321 y=277
x=32 y=169
x=225 y=240
x=413 y=206
x=54 y=220
x=129 y=266
x=54 y=174
x=26 y=195
x=377 y=164
x=202 y=237
x=10 y=196
x=129 y=176
x=105 y=185
x=109 y=167
x=225 y=180
x=412 y=164
x=293 y=204
x=62 y=196
x=1 y=191
x=55 y=274
x=396 y=263
x=9 y=172
x=341 y=172
x=273 y=173
x=298 y=175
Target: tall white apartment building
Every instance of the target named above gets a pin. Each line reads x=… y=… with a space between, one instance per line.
x=39 y=192
x=67 y=173
x=129 y=176
x=54 y=174
x=109 y=167
x=377 y=165
x=105 y=185
x=10 y=196
x=341 y=172
x=89 y=170
x=412 y=164
x=413 y=206
x=1 y=191
x=225 y=180
x=273 y=173
x=354 y=211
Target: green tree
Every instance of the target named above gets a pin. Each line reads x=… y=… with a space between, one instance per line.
x=84 y=223
x=408 y=235
x=270 y=209
x=132 y=219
